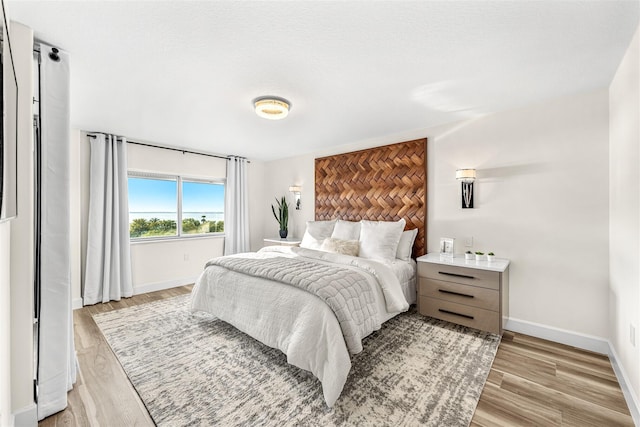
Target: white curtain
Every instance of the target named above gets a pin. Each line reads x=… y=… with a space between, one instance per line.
x=236 y=207
x=108 y=264
x=56 y=352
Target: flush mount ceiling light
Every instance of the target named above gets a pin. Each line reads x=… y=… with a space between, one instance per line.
x=272 y=107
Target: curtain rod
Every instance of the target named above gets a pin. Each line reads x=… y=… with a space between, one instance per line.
x=92 y=135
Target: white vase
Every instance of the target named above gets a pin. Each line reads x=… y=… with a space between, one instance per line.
x=479 y=257
x=491 y=258
x=469 y=257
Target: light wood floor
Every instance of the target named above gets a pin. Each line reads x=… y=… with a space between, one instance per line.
x=532 y=382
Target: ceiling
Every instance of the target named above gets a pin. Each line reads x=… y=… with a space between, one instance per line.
x=184 y=73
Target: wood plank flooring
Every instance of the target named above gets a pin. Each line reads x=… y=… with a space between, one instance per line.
x=532 y=382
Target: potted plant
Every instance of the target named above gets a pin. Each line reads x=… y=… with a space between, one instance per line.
x=479 y=255
x=282 y=216
x=468 y=255
x=491 y=256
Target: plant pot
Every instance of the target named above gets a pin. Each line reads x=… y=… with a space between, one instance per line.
x=283 y=233
x=479 y=257
x=469 y=257
x=491 y=258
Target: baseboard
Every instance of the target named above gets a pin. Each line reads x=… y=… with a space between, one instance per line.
x=159 y=286
x=585 y=342
x=623 y=379
x=76 y=303
x=562 y=336
x=26 y=417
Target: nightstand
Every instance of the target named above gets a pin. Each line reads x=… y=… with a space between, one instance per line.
x=277 y=241
x=469 y=293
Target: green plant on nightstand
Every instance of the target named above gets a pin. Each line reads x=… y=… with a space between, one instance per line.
x=479 y=255
x=282 y=216
x=491 y=256
x=468 y=255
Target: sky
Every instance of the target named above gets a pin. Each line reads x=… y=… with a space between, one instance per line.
x=155 y=195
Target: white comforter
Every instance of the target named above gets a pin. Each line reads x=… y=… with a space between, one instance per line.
x=298 y=323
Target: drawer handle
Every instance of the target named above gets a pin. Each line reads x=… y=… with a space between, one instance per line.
x=444 y=291
x=456 y=275
x=455 y=314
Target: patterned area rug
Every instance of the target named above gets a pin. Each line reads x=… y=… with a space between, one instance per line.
x=192 y=369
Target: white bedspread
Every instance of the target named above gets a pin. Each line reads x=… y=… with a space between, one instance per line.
x=298 y=323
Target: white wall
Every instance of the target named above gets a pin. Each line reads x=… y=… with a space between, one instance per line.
x=22 y=232
x=542 y=201
x=162 y=264
x=624 y=214
x=279 y=176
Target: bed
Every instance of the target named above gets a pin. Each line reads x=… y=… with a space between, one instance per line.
x=316 y=303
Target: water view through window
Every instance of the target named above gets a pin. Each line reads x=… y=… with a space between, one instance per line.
x=154 y=202
x=202 y=207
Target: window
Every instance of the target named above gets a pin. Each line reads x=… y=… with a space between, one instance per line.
x=157 y=203
x=202 y=207
x=152 y=207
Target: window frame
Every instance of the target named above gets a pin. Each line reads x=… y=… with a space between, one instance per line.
x=179 y=180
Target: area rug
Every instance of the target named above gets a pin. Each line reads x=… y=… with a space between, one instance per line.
x=193 y=369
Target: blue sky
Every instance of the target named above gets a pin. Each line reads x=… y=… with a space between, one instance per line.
x=153 y=195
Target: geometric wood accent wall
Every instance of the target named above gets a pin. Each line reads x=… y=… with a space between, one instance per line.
x=377 y=184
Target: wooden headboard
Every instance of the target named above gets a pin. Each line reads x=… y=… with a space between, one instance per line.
x=378 y=184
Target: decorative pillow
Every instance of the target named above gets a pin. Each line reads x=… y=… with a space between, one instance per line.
x=315 y=233
x=405 y=246
x=346 y=247
x=346 y=230
x=379 y=239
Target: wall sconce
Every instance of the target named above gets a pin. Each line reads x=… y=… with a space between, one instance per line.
x=296 y=189
x=467 y=176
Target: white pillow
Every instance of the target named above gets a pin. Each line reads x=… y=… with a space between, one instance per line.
x=405 y=246
x=379 y=239
x=315 y=233
x=346 y=247
x=346 y=230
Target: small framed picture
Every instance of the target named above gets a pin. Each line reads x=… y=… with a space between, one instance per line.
x=446 y=247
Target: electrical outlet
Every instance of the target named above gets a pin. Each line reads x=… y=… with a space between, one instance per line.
x=468 y=241
x=632 y=334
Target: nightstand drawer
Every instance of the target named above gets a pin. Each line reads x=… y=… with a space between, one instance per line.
x=464 y=275
x=472 y=317
x=489 y=299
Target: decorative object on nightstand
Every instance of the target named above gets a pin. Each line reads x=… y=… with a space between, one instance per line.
x=491 y=257
x=296 y=190
x=479 y=256
x=282 y=216
x=467 y=176
x=469 y=256
x=277 y=241
x=446 y=248
x=474 y=295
